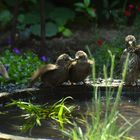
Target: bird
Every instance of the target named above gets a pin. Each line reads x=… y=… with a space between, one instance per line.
x=53 y=74
x=80 y=68
x=133 y=67
x=3 y=71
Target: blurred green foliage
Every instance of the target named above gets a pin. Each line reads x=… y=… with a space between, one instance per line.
x=20 y=66
x=60 y=16
x=102 y=57
x=85 y=7
x=28 y=17
x=59 y=112
x=5 y=17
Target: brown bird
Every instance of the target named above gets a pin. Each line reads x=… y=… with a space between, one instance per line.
x=3 y=71
x=80 y=68
x=133 y=68
x=53 y=74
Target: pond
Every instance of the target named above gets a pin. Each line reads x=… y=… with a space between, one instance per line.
x=11 y=122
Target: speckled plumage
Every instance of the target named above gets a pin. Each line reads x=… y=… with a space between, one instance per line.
x=53 y=74
x=133 y=69
x=80 y=68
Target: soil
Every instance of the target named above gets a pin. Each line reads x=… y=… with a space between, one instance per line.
x=82 y=36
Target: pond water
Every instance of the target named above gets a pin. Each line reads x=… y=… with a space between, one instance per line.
x=11 y=122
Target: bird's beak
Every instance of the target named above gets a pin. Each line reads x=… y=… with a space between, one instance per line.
x=72 y=60
x=76 y=58
x=130 y=43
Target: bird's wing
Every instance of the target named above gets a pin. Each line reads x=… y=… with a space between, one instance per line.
x=133 y=68
x=72 y=66
x=137 y=50
x=50 y=67
x=42 y=70
x=3 y=71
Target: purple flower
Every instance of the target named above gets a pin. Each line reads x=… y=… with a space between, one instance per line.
x=43 y=58
x=16 y=50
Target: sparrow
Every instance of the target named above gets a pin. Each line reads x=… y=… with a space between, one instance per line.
x=133 y=68
x=80 y=68
x=53 y=74
x=3 y=71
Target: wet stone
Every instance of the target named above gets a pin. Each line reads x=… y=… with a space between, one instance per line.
x=11 y=87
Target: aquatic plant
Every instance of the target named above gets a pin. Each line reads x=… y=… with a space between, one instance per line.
x=34 y=114
x=60 y=112
x=100 y=123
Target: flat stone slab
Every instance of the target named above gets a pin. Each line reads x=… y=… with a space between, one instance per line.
x=80 y=92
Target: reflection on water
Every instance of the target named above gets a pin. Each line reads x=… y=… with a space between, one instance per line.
x=10 y=123
x=131 y=111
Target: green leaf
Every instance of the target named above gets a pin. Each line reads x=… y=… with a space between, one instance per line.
x=79 y=5
x=21 y=18
x=10 y=2
x=38 y=121
x=62 y=15
x=34 y=1
x=5 y=16
x=61 y=29
x=86 y=3
x=51 y=29
x=105 y=4
x=49 y=7
x=35 y=29
x=91 y=12
x=32 y=18
x=67 y=33
x=115 y=3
